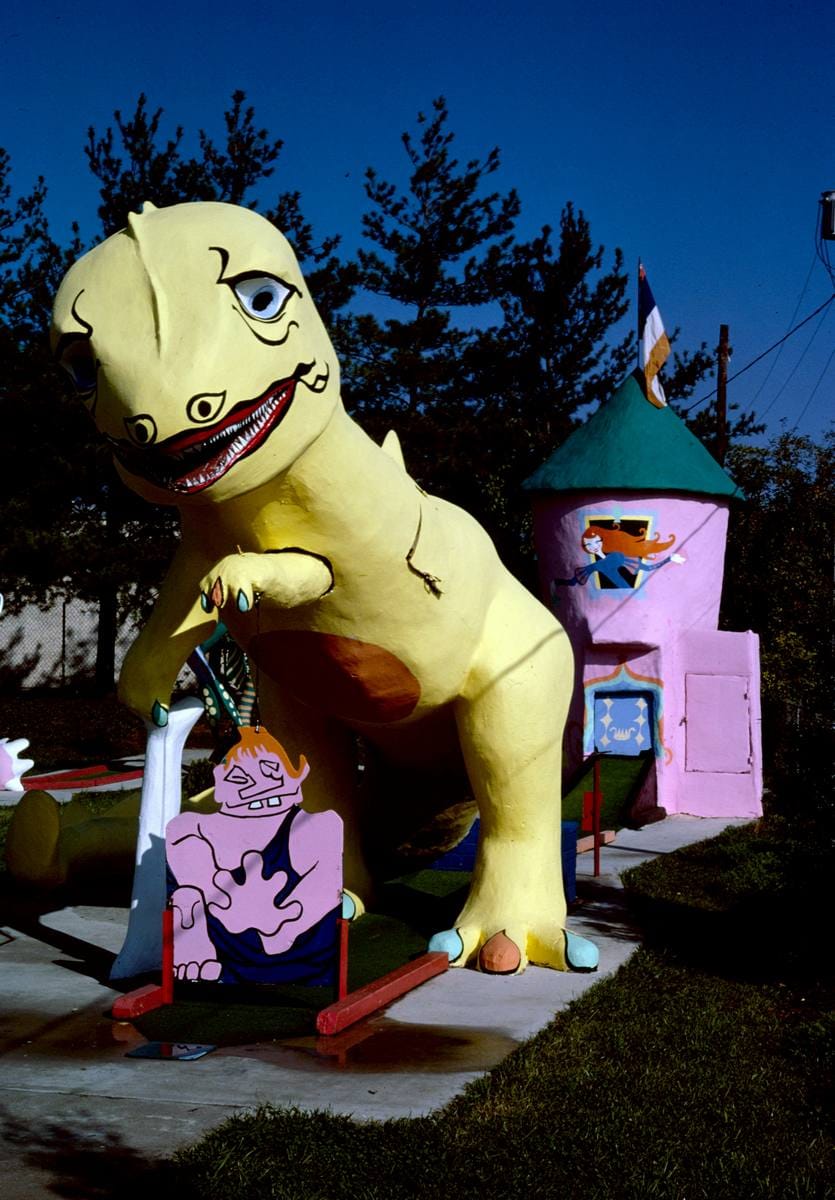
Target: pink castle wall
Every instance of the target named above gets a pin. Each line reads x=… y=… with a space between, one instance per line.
x=659 y=640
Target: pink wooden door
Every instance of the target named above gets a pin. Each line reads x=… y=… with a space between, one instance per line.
x=718 y=722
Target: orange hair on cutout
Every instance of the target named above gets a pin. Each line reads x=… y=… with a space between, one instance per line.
x=255 y=741
x=634 y=544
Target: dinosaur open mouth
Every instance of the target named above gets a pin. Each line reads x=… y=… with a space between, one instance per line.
x=190 y=462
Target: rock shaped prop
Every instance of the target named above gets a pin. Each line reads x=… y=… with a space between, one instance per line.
x=368 y=607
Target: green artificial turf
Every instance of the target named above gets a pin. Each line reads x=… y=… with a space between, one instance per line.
x=379 y=942
x=703 y=1070
x=619 y=779
x=413 y=906
x=101 y=801
x=224 y=1016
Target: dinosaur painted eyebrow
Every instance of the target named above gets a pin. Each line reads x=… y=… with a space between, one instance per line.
x=239 y=276
x=224 y=262
x=67 y=339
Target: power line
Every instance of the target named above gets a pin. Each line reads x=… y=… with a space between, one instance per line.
x=814 y=389
x=764 y=354
x=792 y=320
x=792 y=372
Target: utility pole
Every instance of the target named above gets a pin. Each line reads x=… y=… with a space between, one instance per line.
x=722 y=397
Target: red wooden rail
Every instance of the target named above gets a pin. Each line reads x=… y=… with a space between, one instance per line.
x=376 y=995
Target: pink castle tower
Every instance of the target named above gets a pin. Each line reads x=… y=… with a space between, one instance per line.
x=630 y=522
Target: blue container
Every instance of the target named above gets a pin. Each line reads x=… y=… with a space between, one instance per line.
x=462 y=857
x=570 y=829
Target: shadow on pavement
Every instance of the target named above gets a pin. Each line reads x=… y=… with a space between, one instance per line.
x=75 y=1161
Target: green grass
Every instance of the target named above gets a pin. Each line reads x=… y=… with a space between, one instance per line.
x=683 y=1076
x=744 y=864
x=751 y=901
x=5 y=821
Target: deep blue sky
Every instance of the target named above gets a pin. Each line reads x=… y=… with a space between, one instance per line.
x=698 y=136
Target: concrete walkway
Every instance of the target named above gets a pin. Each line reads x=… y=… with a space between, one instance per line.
x=72 y=1104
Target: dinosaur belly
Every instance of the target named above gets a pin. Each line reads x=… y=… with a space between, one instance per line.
x=341 y=676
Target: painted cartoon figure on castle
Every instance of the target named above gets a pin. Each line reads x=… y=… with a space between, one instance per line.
x=618 y=556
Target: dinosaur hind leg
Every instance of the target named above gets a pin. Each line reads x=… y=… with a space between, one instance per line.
x=510 y=721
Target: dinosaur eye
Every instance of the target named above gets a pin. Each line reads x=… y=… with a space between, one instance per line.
x=142 y=430
x=205 y=406
x=79 y=361
x=261 y=296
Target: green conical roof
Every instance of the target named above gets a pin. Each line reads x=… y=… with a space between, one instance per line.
x=630 y=445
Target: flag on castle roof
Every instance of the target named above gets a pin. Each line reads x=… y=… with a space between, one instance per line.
x=655 y=345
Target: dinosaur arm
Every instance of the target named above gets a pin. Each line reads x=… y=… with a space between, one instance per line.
x=177 y=624
x=287 y=578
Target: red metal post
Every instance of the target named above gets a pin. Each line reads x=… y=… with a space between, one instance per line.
x=342 y=979
x=168 y=955
x=596 y=805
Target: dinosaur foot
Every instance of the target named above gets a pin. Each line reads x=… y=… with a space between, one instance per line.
x=508 y=951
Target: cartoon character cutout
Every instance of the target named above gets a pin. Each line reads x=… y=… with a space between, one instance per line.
x=618 y=556
x=256 y=887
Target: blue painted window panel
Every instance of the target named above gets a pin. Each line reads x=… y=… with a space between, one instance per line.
x=623 y=722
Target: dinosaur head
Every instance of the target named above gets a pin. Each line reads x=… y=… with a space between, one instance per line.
x=192 y=339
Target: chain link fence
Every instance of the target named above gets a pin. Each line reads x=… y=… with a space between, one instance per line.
x=53 y=645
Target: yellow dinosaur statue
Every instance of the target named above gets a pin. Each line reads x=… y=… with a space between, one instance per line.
x=368 y=607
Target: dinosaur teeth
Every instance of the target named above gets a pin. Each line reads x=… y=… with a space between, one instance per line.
x=257 y=804
x=188 y=463
x=249 y=435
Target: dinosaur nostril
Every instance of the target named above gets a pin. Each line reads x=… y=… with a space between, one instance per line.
x=142 y=430
x=205 y=406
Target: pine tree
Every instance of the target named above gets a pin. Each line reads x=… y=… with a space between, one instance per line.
x=139 y=164
x=779 y=583
x=549 y=359
x=479 y=409
x=435 y=249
